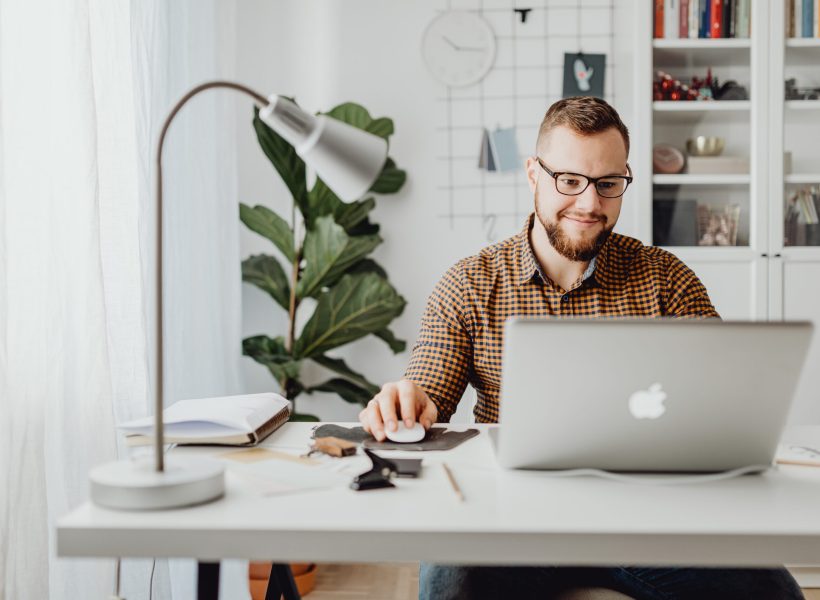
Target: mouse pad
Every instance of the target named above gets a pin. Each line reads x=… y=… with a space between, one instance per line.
x=437 y=438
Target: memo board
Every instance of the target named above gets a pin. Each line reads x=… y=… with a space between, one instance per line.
x=525 y=79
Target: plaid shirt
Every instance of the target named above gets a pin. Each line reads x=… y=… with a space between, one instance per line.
x=462 y=328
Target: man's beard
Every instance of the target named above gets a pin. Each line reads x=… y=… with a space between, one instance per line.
x=580 y=251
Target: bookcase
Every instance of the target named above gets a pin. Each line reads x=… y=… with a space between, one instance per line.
x=772 y=271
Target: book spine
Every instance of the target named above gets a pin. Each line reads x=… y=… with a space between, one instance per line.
x=717 y=19
x=808 y=18
x=790 y=19
x=816 y=18
x=703 y=18
x=694 y=15
x=798 y=18
x=728 y=21
x=659 y=18
x=670 y=19
x=747 y=18
x=271 y=425
x=683 y=19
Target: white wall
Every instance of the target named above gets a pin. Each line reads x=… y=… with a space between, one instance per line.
x=325 y=52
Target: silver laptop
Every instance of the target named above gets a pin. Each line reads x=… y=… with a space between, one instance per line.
x=646 y=394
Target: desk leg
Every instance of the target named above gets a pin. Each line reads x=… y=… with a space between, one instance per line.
x=207 y=581
x=281 y=583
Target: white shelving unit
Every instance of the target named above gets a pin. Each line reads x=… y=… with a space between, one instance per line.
x=762 y=278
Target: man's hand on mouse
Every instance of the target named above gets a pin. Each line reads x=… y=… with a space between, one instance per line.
x=401 y=399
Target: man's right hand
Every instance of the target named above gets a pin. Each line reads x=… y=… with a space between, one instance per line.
x=401 y=399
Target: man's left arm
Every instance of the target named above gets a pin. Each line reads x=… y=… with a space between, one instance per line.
x=686 y=296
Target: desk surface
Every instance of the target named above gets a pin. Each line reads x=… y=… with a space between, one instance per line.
x=509 y=517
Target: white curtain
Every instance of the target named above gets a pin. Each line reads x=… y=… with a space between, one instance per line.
x=84 y=86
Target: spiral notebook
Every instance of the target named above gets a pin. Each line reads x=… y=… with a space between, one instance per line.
x=242 y=420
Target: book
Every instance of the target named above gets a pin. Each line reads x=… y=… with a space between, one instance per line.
x=671 y=14
x=243 y=420
x=707 y=165
x=683 y=19
x=716 y=23
x=791 y=454
x=694 y=15
x=659 y=18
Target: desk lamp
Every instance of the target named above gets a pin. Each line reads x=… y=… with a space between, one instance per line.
x=348 y=160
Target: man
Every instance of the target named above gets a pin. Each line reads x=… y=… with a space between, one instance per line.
x=566 y=262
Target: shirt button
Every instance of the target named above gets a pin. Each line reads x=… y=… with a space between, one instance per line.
x=565 y=298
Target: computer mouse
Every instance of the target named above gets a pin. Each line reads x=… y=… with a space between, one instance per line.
x=406 y=435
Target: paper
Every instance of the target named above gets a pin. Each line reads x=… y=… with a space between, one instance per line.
x=249 y=455
x=793 y=454
x=268 y=472
x=499 y=150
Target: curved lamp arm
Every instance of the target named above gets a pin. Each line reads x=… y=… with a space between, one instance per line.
x=159 y=429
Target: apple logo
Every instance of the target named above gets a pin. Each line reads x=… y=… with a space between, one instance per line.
x=648 y=404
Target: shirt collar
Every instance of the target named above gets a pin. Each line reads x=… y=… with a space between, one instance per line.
x=595 y=274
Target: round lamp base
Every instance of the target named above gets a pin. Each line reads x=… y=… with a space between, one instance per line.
x=136 y=485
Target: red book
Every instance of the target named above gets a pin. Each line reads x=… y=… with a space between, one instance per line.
x=683 y=28
x=658 y=18
x=716 y=28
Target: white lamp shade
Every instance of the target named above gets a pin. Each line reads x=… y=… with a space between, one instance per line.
x=347 y=159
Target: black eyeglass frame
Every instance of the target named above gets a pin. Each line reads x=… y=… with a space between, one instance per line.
x=590 y=180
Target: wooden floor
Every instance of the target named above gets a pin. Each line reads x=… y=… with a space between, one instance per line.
x=398 y=581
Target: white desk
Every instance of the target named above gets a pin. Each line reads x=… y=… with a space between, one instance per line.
x=507 y=518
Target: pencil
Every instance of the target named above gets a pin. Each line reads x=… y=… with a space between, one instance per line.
x=453 y=483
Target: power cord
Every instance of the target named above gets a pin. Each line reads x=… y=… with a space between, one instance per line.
x=652 y=480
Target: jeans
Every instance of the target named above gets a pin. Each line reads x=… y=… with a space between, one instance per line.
x=443 y=582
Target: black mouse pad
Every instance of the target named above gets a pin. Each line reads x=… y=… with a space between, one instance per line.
x=437 y=438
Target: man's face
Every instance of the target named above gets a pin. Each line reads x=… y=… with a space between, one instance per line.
x=577 y=226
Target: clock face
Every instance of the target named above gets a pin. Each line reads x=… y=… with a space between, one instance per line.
x=458 y=48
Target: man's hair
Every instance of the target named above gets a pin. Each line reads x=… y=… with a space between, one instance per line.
x=585 y=115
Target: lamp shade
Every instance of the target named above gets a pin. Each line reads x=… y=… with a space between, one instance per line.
x=347 y=159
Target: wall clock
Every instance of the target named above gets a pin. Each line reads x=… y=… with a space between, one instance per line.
x=459 y=48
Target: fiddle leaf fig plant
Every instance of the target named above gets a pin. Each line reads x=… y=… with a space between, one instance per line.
x=351 y=296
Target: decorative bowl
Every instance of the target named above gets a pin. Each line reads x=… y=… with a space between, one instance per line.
x=705 y=145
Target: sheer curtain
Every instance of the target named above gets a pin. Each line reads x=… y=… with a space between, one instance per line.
x=84 y=86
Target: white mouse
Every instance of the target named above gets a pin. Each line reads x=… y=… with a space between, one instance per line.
x=406 y=435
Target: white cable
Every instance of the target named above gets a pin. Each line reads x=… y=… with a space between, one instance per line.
x=649 y=479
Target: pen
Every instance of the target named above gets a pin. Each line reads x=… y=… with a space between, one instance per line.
x=453 y=483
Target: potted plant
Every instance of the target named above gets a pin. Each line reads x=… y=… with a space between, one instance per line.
x=326 y=246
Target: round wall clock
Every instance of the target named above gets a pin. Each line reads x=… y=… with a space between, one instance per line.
x=458 y=48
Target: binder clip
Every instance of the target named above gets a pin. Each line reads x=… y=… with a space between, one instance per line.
x=378 y=477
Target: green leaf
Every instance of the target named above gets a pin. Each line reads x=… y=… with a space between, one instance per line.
x=390 y=180
x=348 y=215
x=357 y=306
x=266 y=273
x=337 y=365
x=349 y=391
x=382 y=127
x=285 y=160
x=265 y=222
x=396 y=345
x=304 y=417
x=329 y=252
x=271 y=353
x=352 y=114
x=323 y=201
x=367 y=265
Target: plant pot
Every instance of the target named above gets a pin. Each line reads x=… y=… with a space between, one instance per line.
x=258 y=573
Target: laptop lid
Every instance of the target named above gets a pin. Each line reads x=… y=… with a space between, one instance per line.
x=646 y=394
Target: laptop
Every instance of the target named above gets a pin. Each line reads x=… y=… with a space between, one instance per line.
x=654 y=395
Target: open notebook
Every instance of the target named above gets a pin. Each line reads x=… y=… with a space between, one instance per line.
x=226 y=420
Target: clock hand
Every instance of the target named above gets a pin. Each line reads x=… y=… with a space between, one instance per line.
x=450 y=42
x=461 y=48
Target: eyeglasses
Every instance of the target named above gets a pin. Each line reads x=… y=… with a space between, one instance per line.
x=574 y=184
